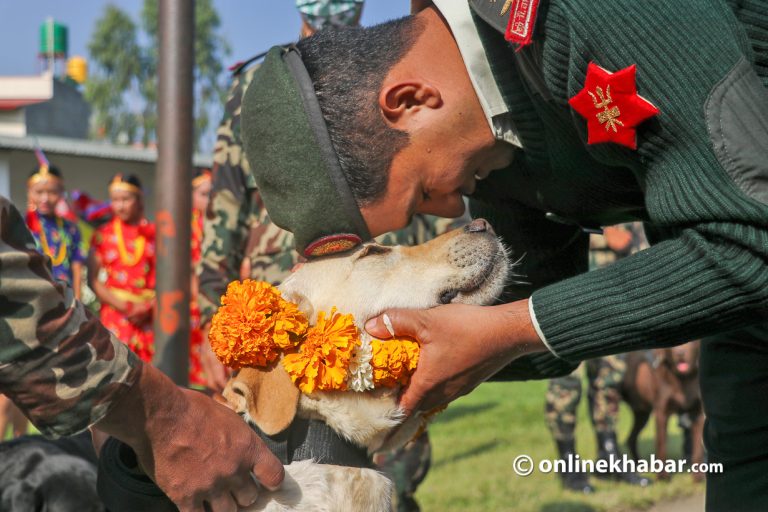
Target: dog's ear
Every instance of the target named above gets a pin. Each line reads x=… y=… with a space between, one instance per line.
x=301 y=300
x=268 y=396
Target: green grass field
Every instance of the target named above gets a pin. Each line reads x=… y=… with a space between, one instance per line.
x=476 y=439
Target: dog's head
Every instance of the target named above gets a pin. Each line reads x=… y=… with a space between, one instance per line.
x=467 y=265
x=683 y=359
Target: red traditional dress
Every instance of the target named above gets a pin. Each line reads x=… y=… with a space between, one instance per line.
x=196 y=334
x=126 y=252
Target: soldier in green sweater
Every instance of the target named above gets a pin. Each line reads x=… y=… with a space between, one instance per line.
x=591 y=113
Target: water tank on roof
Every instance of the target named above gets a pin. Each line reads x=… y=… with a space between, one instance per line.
x=53 y=39
x=77 y=69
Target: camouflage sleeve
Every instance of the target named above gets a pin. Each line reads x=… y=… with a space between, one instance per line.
x=57 y=362
x=237 y=228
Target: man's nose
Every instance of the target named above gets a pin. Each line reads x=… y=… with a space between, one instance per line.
x=479 y=226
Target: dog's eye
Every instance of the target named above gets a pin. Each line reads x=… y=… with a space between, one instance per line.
x=373 y=249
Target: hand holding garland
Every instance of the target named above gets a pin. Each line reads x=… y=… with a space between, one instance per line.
x=462 y=346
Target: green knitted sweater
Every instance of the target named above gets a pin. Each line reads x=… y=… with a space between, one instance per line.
x=699 y=177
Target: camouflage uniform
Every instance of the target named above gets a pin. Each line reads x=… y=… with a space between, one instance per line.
x=237 y=227
x=58 y=364
x=604 y=374
x=319 y=14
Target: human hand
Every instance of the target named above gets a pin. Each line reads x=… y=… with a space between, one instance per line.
x=216 y=374
x=139 y=313
x=197 y=451
x=461 y=347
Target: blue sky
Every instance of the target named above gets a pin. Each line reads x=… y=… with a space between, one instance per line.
x=250 y=26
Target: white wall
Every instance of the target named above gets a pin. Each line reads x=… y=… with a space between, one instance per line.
x=13 y=123
x=5 y=176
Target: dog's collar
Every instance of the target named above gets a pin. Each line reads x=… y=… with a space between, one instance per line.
x=313 y=439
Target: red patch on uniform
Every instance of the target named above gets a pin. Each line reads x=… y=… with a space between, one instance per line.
x=610 y=104
x=332 y=244
x=522 y=18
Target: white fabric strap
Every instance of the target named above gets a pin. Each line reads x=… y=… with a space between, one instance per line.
x=459 y=18
x=537 y=327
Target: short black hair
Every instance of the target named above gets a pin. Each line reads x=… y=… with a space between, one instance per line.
x=128 y=178
x=347 y=66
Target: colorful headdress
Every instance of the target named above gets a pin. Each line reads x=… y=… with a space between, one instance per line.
x=43 y=170
x=205 y=175
x=117 y=184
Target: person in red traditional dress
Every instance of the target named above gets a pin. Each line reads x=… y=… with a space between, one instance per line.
x=123 y=250
x=201 y=191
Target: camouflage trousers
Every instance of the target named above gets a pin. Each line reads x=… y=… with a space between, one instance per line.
x=604 y=376
x=407 y=468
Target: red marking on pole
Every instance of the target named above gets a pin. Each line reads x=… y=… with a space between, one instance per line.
x=166 y=229
x=169 y=317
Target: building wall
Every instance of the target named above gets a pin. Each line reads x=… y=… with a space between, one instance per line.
x=12 y=123
x=64 y=115
x=89 y=174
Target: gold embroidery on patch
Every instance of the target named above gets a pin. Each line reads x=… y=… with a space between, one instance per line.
x=332 y=247
x=609 y=116
x=506 y=7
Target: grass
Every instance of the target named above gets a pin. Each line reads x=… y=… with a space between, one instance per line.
x=476 y=439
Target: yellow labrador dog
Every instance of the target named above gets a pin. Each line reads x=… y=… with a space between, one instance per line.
x=468 y=265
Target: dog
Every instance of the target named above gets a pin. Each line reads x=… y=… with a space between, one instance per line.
x=48 y=474
x=468 y=265
x=665 y=385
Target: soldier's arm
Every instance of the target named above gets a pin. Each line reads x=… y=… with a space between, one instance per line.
x=66 y=372
x=57 y=363
x=225 y=225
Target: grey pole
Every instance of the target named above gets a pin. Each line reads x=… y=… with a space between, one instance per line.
x=173 y=187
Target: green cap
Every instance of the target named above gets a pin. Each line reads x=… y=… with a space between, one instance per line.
x=293 y=160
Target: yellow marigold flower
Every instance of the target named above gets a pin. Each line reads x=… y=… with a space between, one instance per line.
x=393 y=361
x=322 y=360
x=290 y=325
x=254 y=324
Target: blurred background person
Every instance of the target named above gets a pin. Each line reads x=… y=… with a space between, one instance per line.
x=121 y=267
x=201 y=193
x=605 y=376
x=318 y=14
x=56 y=237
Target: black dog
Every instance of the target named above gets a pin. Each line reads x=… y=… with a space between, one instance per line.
x=38 y=474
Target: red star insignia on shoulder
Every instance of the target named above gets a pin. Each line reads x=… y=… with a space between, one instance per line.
x=610 y=104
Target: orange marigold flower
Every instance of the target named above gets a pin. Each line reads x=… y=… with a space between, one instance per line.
x=322 y=360
x=393 y=361
x=253 y=324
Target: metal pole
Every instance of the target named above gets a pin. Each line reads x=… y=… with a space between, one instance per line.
x=173 y=187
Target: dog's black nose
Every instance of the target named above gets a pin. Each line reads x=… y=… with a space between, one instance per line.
x=478 y=226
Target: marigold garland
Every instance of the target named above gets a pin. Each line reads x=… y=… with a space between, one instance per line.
x=393 y=361
x=254 y=324
x=322 y=360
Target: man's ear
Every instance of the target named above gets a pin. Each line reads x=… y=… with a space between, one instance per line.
x=400 y=100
